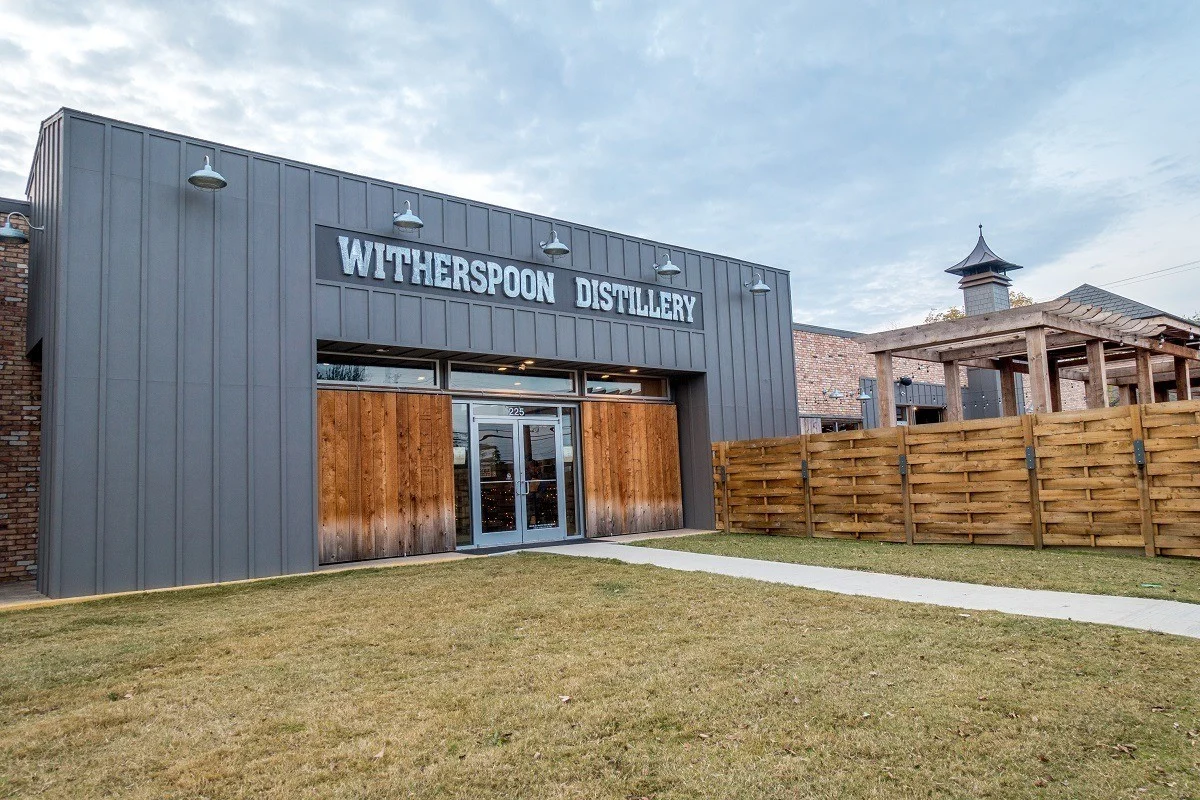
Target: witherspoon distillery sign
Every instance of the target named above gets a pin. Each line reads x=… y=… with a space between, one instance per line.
x=385 y=263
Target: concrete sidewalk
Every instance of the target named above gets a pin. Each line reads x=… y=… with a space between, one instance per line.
x=1164 y=616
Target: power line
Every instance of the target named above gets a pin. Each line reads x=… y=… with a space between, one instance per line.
x=1154 y=273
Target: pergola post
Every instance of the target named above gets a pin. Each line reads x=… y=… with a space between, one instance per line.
x=1183 y=379
x=1008 y=389
x=1145 y=377
x=1055 y=385
x=1039 y=369
x=885 y=390
x=1097 y=383
x=954 y=404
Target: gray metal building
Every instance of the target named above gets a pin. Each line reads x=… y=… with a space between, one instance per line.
x=180 y=333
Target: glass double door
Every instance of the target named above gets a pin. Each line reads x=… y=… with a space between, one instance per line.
x=518 y=468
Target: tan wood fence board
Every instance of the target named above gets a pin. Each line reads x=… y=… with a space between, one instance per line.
x=969 y=482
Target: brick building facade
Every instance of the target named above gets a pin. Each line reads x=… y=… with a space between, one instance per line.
x=20 y=416
x=831 y=368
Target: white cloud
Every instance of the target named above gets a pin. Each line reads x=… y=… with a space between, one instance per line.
x=855 y=144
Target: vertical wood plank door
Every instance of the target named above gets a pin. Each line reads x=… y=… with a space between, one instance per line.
x=386 y=475
x=631 y=480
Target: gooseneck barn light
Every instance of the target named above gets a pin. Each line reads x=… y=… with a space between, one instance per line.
x=863 y=395
x=10 y=234
x=554 y=248
x=758 y=286
x=407 y=220
x=667 y=269
x=207 y=179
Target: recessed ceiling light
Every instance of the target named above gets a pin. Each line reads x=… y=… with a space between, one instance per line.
x=528 y=361
x=603 y=377
x=380 y=349
x=632 y=371
x=501 y=369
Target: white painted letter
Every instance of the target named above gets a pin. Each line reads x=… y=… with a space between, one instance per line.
x=689 y=302
x=379 y=273
x=583 y=292
x=606 y=296
x=461 y=267
x=479 y=283
x=545 y=286
x=398 y=256
x=422 y=266
x=354 y=259
x=528 y=284
x=495 y=276
x=512 y=281
x=441 y=270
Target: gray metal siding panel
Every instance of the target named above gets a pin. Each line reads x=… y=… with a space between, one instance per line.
x=481 y=328
x=459 y=327
x=382 y=315
x=434 y=323
x=545 y=335
x=525 y=331
x=478 y=228
x=298 y=395
x=695 y=451
x=455 y=233
x=176 y=351
x=355 y=311
x=409 y=315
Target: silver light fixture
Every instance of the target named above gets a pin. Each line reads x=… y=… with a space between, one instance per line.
x=554 y=248
x=667 y=269
x=407 y=220
x=207 y=179
x=8 y=233
x=758 y=286
x=863 y=396
x=833 y=394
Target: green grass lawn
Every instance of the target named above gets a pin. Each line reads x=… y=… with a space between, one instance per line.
x=1068 y=570
x=538 y=676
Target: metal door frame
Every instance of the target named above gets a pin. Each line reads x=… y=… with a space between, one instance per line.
x=522 y=534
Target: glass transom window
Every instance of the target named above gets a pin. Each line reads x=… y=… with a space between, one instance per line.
x=337 y=368
x=510 y=378
x=621 y=385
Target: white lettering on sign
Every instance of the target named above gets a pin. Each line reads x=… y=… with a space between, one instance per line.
x=450 y=271
x=626 y=299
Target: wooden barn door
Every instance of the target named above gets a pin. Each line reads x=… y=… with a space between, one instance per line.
x=630 y=467
x=385 y=475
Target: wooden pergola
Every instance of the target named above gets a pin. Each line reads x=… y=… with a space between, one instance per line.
x=1046 y=341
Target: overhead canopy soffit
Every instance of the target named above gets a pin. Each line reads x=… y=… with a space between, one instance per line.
x=981 y=339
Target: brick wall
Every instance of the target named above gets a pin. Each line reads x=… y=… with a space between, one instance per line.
x=20 y=420
x=825 y=362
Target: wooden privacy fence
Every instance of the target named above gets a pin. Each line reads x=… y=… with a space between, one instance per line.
x=1110 y=477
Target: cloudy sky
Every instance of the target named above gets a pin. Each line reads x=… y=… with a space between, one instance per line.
x=856 y=144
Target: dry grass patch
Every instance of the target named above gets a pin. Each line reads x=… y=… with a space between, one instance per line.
x=549 y=677
x=1125 y=573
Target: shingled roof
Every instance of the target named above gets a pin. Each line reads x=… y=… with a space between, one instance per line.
x=1095 y=296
